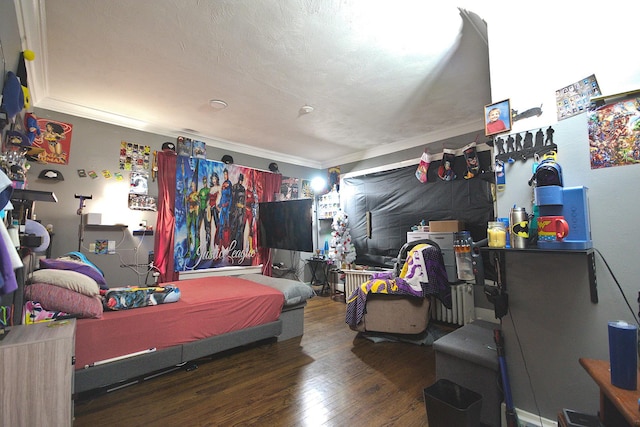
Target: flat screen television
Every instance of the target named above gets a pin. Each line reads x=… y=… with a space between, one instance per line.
x=286 y=225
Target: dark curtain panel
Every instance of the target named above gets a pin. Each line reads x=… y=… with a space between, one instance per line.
x=271 y=186
x=164 y=235
x=397 y=200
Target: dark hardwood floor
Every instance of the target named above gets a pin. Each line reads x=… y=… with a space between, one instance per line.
x=328 y=377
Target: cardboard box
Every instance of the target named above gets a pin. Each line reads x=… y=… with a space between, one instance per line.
x=452 y=225
x=92 y=218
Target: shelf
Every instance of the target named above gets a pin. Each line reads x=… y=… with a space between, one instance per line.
x=539 y=250
x=143 y=232
x=34 y=195
x=105 y=227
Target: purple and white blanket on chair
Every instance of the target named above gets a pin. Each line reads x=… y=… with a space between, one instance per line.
x=422 y=275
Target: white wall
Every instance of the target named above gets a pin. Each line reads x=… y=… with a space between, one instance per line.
x=535 y=49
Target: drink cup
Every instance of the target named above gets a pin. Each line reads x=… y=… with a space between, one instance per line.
x=553 y=227
x=518 y=227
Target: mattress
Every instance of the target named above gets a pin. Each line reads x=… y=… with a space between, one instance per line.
x=208 y=307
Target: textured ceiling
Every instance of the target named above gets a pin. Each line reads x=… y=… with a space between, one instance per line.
x=381 y=76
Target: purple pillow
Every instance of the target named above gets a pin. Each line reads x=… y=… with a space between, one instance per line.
x=78 y=267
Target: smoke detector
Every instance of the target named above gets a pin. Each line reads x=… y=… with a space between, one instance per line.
x=218 y=104
x=306 y=109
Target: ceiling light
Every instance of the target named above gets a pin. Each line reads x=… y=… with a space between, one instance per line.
x=218 y=104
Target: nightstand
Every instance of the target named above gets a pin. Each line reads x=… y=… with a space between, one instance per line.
x=36 y=374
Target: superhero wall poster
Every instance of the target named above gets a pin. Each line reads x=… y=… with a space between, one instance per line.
x=216 y=210
x=55 y=139
x=614 y=131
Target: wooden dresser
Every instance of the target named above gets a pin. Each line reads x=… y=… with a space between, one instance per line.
x=36 y=374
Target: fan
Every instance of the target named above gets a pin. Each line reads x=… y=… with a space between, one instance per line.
x=36 y=229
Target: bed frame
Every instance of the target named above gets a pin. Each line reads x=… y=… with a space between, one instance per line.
x=123 y=372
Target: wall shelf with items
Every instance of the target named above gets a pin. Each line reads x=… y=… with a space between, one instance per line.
x=105 y=227
x=328 y=205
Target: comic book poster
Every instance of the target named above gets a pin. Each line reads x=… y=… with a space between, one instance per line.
x=306 y=190
x=184 y=147
x=216 y=211
x=199 y=149
x=55 y=139
x=289 y=188
x=614 y=131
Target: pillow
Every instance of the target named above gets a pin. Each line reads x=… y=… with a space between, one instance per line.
x=56 y=298
x=68 y=279
x=77 y=266
x=294 y=292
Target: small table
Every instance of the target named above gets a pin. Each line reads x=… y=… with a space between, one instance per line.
x=618 y=407
x=320 y=273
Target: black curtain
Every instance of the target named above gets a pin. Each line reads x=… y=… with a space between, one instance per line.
x=397 y=200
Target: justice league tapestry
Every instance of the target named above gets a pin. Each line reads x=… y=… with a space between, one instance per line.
x=216 y=210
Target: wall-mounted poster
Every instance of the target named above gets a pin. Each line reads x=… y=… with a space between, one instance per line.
x=575 y=98
x=199 y=149
x=134 y=157
x=306 y=192
x=55 y=139
x=216 y=209
x=138 y=183
x=614 y=130
x=184 y=147
x=334 y=178
x=289 y=188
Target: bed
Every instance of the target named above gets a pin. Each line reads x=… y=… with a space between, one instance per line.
x=213 y=314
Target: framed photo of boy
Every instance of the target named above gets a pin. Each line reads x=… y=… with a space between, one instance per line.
x=497 y=118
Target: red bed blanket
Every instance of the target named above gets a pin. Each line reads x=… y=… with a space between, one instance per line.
x=208 y=307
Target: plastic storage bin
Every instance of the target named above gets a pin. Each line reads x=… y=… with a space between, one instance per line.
x=449 y=404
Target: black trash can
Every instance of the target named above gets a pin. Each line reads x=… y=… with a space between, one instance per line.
x=449 y=404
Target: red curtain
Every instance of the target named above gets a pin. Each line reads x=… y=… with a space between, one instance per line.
x=271 y=186
x=165 y=223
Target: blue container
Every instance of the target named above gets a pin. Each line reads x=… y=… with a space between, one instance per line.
x=623 y=356
x=505 y=221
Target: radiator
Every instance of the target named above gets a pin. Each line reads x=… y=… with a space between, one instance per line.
x=462 y=306
x=353 y=279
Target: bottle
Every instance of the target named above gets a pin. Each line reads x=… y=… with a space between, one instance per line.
x=497 y=234
x=519 y=227
x=462 y=249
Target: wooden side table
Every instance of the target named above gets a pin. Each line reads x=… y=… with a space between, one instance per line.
x=320 y=274
x=36 y=374
x=618 y=407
